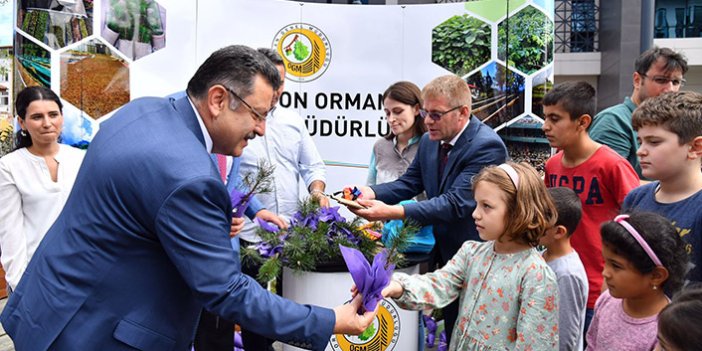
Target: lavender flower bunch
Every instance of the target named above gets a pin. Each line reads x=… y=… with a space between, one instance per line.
x=311 y=240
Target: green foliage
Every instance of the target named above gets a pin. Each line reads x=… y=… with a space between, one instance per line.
x=530 y=40
x=461 y=44
x=300 y=51
x=305 y=248
x=368 y=333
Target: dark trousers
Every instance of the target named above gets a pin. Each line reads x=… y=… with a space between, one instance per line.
x=214 y=333
x=253 y=341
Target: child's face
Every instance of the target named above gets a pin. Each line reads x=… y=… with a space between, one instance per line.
x=549 y=236
x=490 y=210
x=660 y=153
x=622 y=278
x=560 y=130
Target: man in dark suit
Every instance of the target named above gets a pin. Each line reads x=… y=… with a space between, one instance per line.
x=455 y=148
x=142 y=244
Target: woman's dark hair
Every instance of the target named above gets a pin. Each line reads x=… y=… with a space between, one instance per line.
x=24 y=99
x=676 y=322
x=409 y=94
x=663 y=239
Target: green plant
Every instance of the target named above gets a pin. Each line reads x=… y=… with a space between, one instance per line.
x=461 y=44
x=530 y=40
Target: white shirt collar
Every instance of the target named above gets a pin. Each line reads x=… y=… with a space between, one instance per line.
x=205 y=133
x=455 y=139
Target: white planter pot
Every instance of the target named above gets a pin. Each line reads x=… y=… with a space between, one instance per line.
x=394 y=328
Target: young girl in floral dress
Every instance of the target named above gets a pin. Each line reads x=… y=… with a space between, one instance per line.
x=507 y=293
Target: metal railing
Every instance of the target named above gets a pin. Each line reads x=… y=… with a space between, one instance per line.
x=576 y=24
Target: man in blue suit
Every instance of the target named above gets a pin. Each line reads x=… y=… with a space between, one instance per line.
x=142 y=244
x=470 y=144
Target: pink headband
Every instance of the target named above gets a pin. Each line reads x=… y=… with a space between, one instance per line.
x=621 y=219
x=512 y=173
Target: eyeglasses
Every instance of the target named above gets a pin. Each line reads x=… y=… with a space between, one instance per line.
x=436 y=115
x=256 y=114
x=665 y=80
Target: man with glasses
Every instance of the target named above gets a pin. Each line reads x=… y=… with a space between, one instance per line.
x=455 y=148
x=142 y=244
x=657 y=71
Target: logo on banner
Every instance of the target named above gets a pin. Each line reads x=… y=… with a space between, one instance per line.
x=305 y=50
x=381 y=335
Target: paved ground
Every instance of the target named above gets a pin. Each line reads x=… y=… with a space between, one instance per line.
x=5 y=342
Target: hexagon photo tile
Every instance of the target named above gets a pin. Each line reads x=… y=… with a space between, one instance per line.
x=32 y=63
x=493 y=10
x=56 y=23
x=526 y=142
x=498 y=94
x=541 y=84
x=461 y=44
x=94 y=79
x=529 y=47
x=78 y=128
x=136 y=28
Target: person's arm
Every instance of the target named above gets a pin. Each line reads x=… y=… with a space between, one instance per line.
x=372 y=171
x=457 y=201
x=572 y=301
x=436 y=289
x=537 y=322
x=13 y=239
x=312 y=168
x=316 y=189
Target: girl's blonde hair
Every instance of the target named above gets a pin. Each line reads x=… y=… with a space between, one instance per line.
x=530 y=210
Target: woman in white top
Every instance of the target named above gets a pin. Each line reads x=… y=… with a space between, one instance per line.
x=35 y=179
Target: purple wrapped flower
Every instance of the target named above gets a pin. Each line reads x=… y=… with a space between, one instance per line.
x=266 y=250
x=239 y=202
x=310 y=221
x=443 y=345
x=369 y=279
x=330 y=214
x=430 y=324
x=267 y=226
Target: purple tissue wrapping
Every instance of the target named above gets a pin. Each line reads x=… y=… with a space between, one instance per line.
x=239 y=202
x=443 y=346
x=430 y=324
x=267 y=226
x=369 y=279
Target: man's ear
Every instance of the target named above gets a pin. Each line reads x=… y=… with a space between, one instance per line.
x=216 y=100
x=695 y=148
x=636 y=78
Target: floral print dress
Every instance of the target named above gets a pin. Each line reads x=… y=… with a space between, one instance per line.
x=507 y=301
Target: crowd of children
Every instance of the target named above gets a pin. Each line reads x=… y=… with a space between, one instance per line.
x=617 y=249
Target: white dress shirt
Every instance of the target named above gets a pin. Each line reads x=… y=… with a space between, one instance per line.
x=289 y=147
x=30 y=202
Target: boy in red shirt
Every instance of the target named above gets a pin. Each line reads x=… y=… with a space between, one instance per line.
x=597 y=174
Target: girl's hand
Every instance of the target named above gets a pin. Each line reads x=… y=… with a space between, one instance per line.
x=393 y=290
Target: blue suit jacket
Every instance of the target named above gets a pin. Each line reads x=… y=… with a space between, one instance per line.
x=450 y=202
x=142 y=245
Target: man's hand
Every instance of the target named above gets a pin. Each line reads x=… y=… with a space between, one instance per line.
x=321 y=198
x=237 y=226
x=378 y=211
x=366 y=192
x=269 y=216
x=350 y=322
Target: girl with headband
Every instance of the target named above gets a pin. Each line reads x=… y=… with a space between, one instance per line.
x=645 y=262
x=507 y=293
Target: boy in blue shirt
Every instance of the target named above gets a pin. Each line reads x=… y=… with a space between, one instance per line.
x=670 y=137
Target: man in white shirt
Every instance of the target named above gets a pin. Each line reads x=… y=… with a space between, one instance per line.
x=289 y=147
